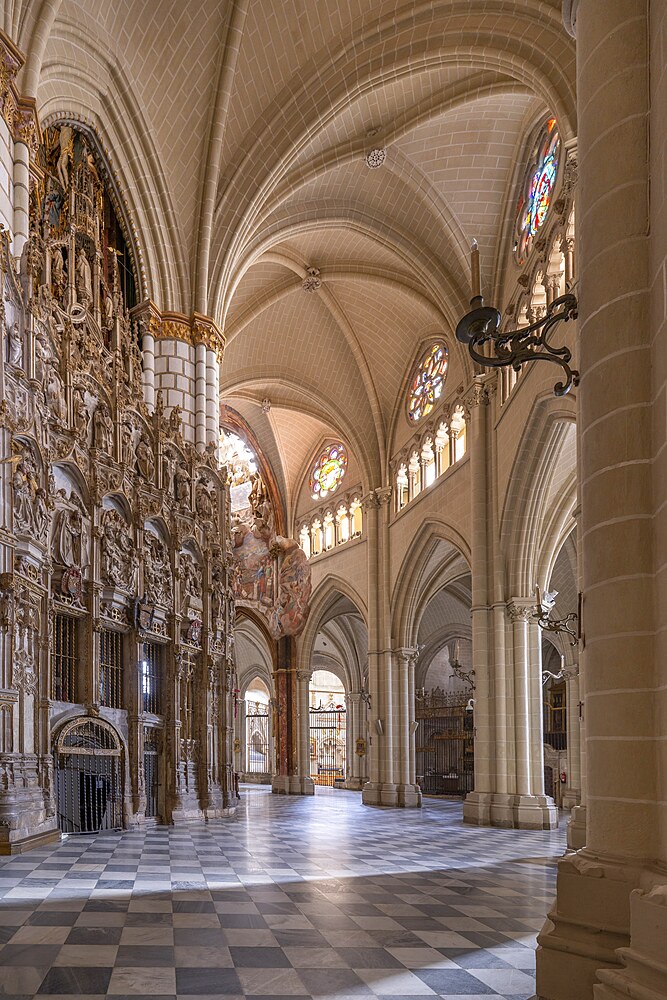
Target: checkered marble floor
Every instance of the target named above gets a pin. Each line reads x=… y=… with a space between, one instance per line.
x=294 y=897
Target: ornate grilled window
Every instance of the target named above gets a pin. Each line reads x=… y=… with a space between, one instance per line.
x=65 y=658
x=111 y=669
x=152 y=674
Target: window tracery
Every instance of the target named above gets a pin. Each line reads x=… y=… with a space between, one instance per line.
x=331 y=527
x=328 y=471
x=424 y=459
x=537 y=189
x=427 y=382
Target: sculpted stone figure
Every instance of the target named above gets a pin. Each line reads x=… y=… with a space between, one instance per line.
x=67 y=536
x=127 y=446
x=62 y=167
x=191 y=577
x=157 y=571
x=203 y=501
x=118 y=557
x=84 y=282
x=81 y=418
x=103 y=428
x=58 y=276
x=145 y=459
x=15 y=344
x=182 y=485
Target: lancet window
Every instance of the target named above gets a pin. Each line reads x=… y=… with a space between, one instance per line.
x=331 y=527
x=421 y=463
x=537 y=189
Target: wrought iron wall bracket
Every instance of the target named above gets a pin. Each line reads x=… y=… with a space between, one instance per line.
x=559 y=625
x=481 y=327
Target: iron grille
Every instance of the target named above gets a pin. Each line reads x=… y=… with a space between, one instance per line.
x=327 y=745
x=445 y=744
x=89 y=777
x=257 y=738
x=111 y=669
x=152 y=673
x=65 y=658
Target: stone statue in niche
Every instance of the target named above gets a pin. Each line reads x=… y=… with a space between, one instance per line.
x=191 y=577
x=15 y=344
x=145 y=459
x=182 y=485
x=118 y=557
x=108 y=312
x=84 y=281
x=54 y=394
x=58 y=275
x=68 y=537
x=103 y=428
x=127 y=446
x=175 y=421
x=24 y=484
x=81 y=418
x=157 y=571
x=203 y=501
x=41 y=515
x=62 y=167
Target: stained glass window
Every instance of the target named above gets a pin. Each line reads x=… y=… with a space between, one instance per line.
x=537 y=190
x=328 y=471
x=428 y=382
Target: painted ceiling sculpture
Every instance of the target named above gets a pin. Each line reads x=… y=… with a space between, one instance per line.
x=271 y=573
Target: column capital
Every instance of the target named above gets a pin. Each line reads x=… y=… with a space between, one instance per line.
x=480 y=392
x=408 y=654
x=520 y=609
x=377 y=498
x=304 y=675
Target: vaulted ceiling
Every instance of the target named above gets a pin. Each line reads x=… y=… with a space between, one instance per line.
x=239 y=130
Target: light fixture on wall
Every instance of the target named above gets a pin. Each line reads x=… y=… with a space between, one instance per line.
x=463 y=675
x=481 y=327
x=545 y=604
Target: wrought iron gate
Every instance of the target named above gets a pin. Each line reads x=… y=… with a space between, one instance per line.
x=89 y=777
x=327 y=745
x=151 y=771
x=444 y=744
x=258 y=758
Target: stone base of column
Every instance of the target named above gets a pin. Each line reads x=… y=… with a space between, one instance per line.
x=292 y=784
x=10 y=843
x=378 y=793
x=511 y=812
x=644 y=975
x=571 y=797
x=409 y=796
x=596 y=913
x=354 y=784
x=576 y=828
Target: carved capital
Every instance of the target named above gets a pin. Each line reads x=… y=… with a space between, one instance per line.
x=518 y=611
x=407 y=654
x=376 y=498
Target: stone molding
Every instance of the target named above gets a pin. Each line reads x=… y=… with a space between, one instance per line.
x=193 y=330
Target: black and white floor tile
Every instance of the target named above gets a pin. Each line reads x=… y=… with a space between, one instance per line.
x=294 y=897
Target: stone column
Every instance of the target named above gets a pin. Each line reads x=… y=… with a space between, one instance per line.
x=200 y=397
x=606 y=934
x=572 y=792
x=356 y=726
x=380 y=789
x=306 y=783
x=409 y=792
x=477 y=806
